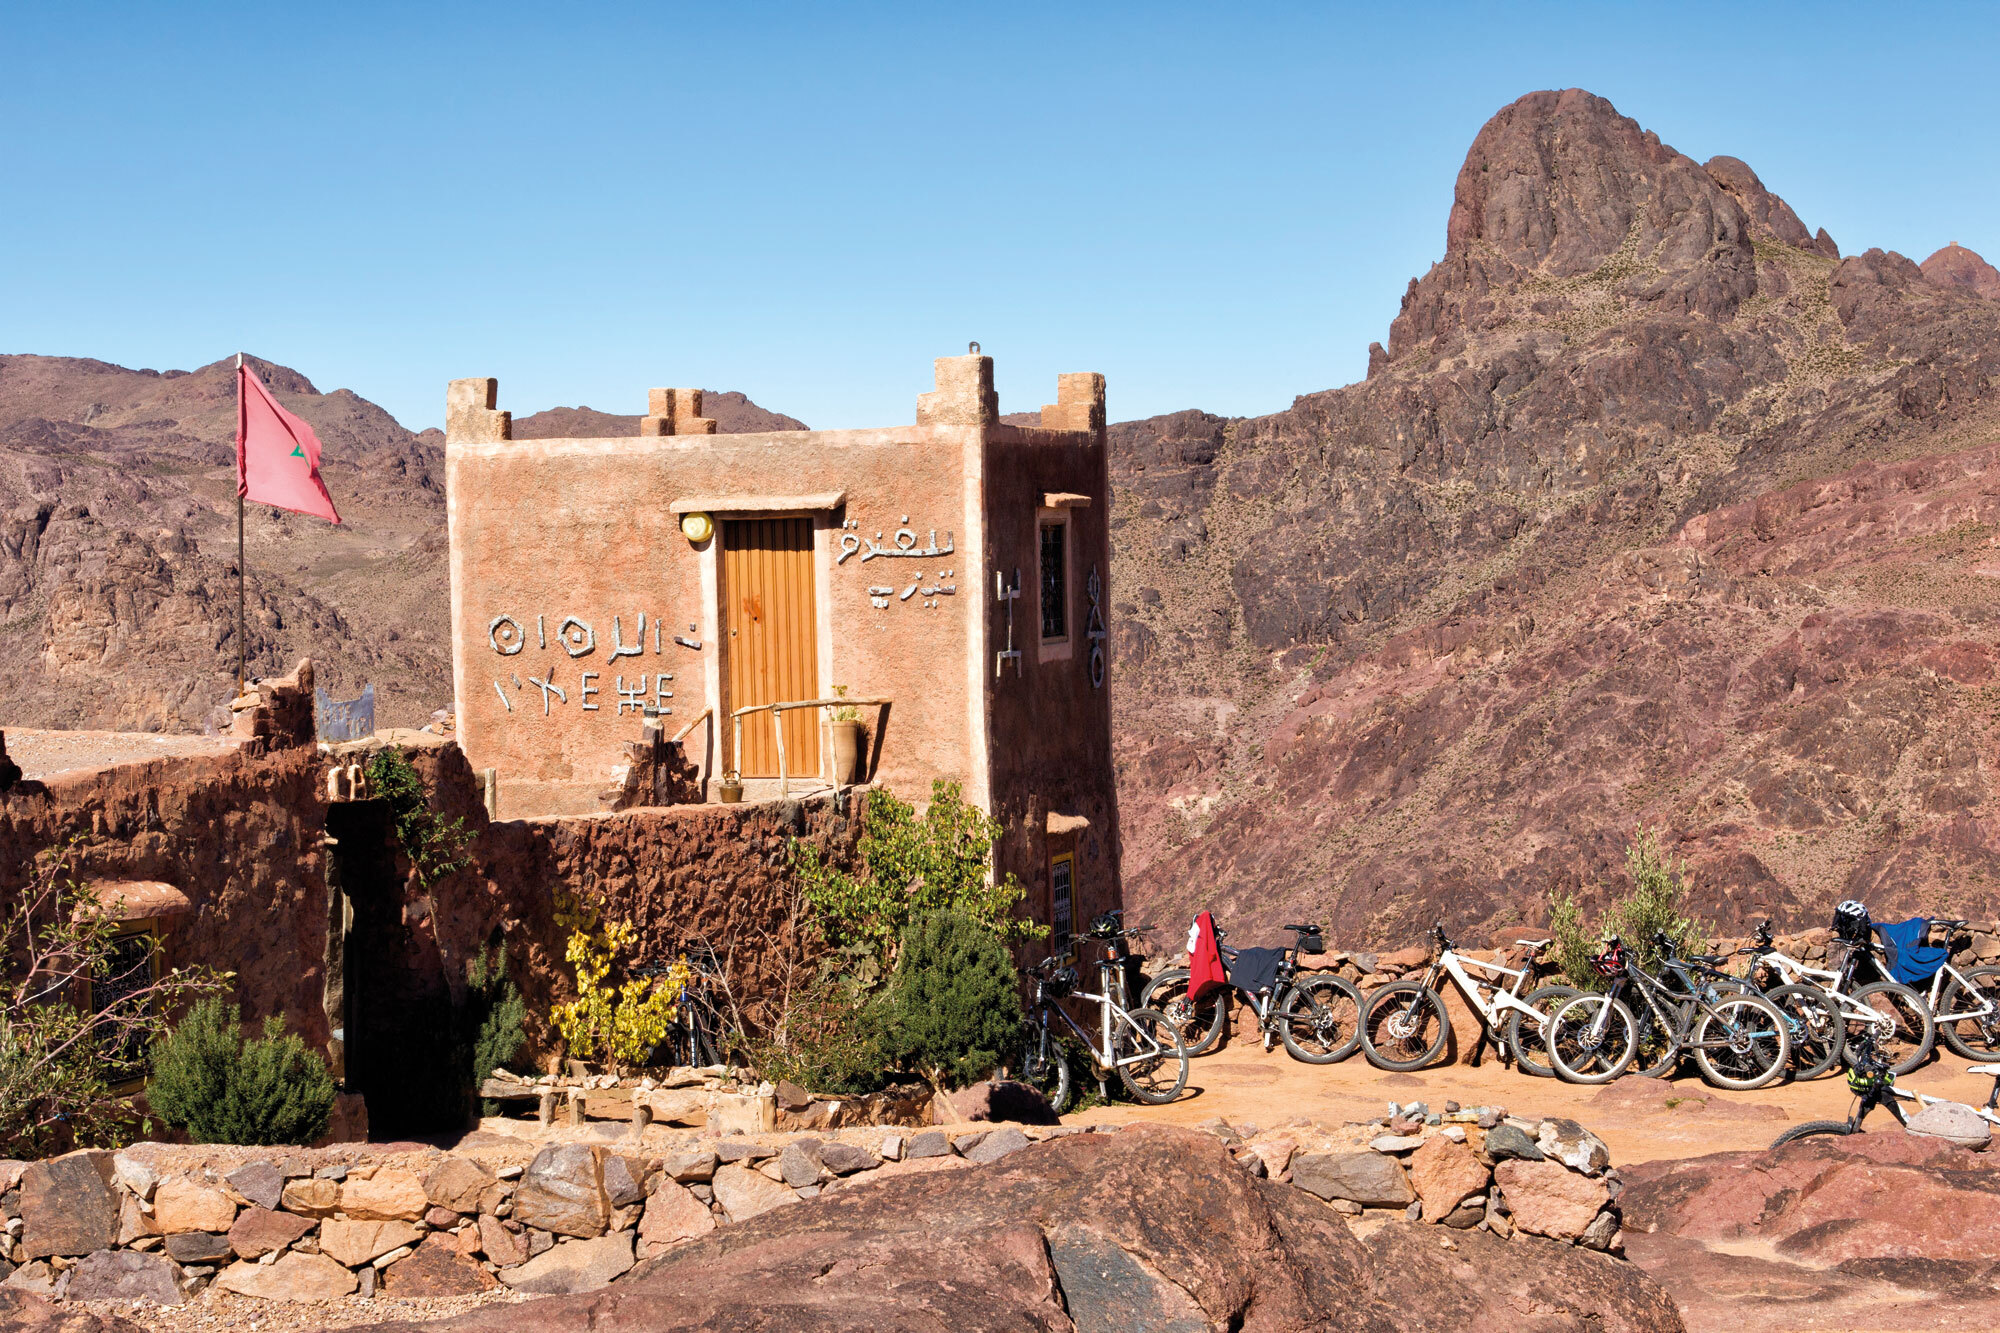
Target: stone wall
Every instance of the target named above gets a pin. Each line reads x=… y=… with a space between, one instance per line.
x=158 y=1223
x=246 y=838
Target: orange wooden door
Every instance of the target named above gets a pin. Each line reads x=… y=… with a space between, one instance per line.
x=773 y=639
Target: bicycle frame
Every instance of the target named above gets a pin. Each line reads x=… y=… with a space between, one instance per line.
x=1826 y=980
x=1108 y=1006
x=1677 y=1013
x=1452 y=963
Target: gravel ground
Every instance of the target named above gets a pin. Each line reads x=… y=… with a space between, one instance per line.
x=214 y=1309
x=44 y=754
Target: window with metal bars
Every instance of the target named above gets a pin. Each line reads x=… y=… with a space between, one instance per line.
x=1055 y=581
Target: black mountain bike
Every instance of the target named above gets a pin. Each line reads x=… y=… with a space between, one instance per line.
x=698 y=1036
x=1317 y=1017
x=1738 y=1038
x=1872 y=1079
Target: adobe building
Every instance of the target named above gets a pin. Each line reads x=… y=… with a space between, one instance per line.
x=945 y=579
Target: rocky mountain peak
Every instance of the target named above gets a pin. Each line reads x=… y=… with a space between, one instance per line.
x=1956 y=266
x=1563 y=203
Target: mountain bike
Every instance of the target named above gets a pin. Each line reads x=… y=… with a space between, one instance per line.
x=1738 y=1038
x=1317 y=1017
x=1965 y=1006
x=698 y=1035
x=1404 y=1024
x=1897 y=1015
x=1872 y=1079
x=1140 y=1045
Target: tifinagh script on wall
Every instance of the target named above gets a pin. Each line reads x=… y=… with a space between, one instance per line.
x=577 y=638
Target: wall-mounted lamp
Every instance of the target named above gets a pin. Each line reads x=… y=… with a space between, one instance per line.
x=697 y=528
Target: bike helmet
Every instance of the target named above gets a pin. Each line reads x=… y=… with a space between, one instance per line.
x=1850 y=921
x=1610 y=963
x=1057 y=981
x=1107 y=926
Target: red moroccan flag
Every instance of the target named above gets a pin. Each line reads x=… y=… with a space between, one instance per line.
x=277 y=455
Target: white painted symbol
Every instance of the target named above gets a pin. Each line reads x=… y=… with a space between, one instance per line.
x=577 y=638
x=618 y=648
x=509 y=642
x=548 y=687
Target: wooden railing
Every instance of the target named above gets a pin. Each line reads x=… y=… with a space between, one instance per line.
x=777 y=727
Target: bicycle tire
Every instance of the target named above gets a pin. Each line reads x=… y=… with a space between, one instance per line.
x=1530 y=1056
x=1045 y=1068
x=1915 y=1031
x=1812 y=1128
x=1754 y=1056
x=1426 y=1005
x=1814 y=1023
x=1983 y=1043
x=1139 y=1079
x=1320 y=1021
x=1199 y=1023
x=1578 y=1059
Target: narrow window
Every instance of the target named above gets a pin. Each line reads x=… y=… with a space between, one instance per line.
x=134 y=963
x=1055 y=581
x=1061 y=875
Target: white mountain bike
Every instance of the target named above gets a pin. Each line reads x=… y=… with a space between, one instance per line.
x=1901 y=1021
x=1965 y=1005
x=1404 y=1024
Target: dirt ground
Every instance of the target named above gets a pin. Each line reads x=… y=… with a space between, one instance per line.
x=1637 y=1119
x=45 y=754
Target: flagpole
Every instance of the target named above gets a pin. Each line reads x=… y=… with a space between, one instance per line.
x=241 y=617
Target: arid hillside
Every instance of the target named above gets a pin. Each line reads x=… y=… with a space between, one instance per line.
x=118 y=547
x=1654 y=509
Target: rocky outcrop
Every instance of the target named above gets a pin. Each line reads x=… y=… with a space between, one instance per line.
x=1654 y=509
x=1873 y=1227
x=1956 y=266
x=1150 y=1227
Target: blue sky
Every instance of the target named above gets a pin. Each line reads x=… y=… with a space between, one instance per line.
x=1218 y=206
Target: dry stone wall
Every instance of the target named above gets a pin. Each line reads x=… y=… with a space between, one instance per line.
x=158 y=1222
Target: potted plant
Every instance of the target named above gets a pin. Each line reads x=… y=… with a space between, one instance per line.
x=730 y=789
x=849 y=741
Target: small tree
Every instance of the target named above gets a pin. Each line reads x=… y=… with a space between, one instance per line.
x=954 y=1005
x=912 y=867
x=620 y=1022
x=61 y=1038
x=495 y=1016
x=225 y=1089
x=434 y=844
x=1656 y=903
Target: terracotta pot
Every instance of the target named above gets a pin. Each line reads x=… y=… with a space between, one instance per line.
x=849 y=753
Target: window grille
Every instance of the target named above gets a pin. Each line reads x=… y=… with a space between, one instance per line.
x=1055 y=581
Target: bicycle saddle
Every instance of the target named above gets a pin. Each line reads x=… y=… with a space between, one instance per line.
x=1535 y=944
x=1990 y=1070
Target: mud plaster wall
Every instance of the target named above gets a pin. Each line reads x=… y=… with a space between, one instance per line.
x=583 y=527
x=1051 y=729
x=241 y=837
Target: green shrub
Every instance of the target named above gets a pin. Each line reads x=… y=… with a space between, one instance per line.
x=953 y=1009
x=495 y=1016
x=1655 y=903
x=78 y=1011
x=224 y=1089
x=910 y=867
x=434 y=844
x=825 y=1039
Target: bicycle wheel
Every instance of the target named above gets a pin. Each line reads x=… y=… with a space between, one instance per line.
x=1045 y=1067
x=1321 y=1020
x=1905 y=1032
x=1404 y=1026
x=1584 y=1051
x=1159 y=1075
x=1812 y=1020
x=1976 y=1037
x=1198 y=1023
x=1741 y=1042
x=1813 y=1128
x=1528 y=1040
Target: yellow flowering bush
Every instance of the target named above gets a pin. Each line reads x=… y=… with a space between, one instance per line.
x=620 y=1022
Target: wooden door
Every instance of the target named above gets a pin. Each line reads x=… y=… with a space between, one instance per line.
x=772 y=636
